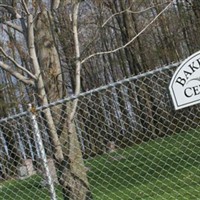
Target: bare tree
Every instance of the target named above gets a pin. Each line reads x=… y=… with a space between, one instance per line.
x=45 y=78
x=113 y=43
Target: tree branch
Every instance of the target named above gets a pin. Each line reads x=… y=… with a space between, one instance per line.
x=128 y=43
x=130 y=11
x=78 y=63
x=118 y=13
x=25 y=7
x=16 y=64
x=14 y=26
x=12 y=10
x=16 y=74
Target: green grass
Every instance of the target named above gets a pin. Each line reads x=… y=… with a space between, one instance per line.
x=27 y=189
x=167 y=168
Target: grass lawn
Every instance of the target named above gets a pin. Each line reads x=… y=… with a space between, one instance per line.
x=28 y=189
x=167 y=168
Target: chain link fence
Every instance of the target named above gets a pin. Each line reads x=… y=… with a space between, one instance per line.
x=126 y=142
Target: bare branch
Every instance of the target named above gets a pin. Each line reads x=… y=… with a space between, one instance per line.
x=77 y=47
x=78 y=63
x=149 y=8
x=16 y=64
x=128 y=43
x=16 y=74
x=118 y=13
x=130 y=11
x=14 y=26
x=12 y=10
x=25 y=7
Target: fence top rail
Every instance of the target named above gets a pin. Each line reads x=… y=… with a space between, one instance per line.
x=99 y=89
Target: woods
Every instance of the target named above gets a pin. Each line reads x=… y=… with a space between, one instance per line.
x=51 y=50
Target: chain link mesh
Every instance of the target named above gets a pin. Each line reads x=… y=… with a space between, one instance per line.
x=134 y=144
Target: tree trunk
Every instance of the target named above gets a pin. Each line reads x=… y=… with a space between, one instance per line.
x=73 y=174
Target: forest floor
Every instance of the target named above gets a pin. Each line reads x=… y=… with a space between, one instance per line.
x=166 y=168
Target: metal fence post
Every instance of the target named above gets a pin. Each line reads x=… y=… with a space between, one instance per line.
x=42 y=153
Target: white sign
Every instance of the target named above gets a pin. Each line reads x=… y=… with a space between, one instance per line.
x=185 y=83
